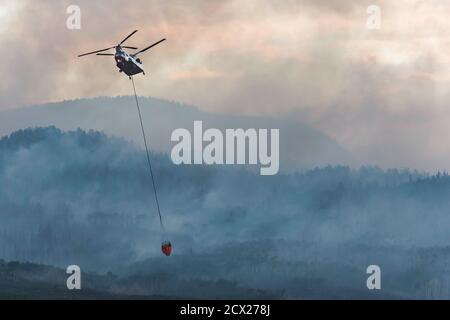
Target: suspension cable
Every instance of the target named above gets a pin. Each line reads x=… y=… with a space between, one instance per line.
x=148 y=157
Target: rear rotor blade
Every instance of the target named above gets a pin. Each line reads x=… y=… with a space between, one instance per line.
x=127 y=37
x=104 y=54
x=85 y=54
x=145 y=49
x=129 y=47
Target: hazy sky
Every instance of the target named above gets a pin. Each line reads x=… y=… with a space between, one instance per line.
x=382 y=94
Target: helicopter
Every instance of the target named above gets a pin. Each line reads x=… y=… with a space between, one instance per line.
x=127 y=63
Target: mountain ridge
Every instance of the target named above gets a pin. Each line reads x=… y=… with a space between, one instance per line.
x=301 y=146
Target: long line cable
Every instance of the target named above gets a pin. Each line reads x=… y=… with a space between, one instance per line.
x=148 y=158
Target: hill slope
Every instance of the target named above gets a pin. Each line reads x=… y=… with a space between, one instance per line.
x=300 y=145
x=84 y=198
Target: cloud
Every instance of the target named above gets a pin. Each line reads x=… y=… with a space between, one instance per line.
x=201 y=73
x=373 y=91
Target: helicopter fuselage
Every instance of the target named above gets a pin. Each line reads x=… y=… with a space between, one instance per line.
x=127 y=63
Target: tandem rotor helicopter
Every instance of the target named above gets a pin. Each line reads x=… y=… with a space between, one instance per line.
x=129 y=64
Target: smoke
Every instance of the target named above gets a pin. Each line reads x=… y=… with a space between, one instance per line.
x=381 y=94
x=85 y=198
x=83 y=195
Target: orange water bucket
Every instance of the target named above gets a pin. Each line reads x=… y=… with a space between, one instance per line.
x=166 y=248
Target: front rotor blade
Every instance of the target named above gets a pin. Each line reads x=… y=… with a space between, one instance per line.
x=104 y=54
x=150 y=46
x=85 y=54
x=127 y=37
x=129 y=47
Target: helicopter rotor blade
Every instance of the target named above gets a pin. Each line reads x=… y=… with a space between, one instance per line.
x=151 y=46
x=104 y=54
x=126 y=47
x=127 y=37
x=85 y=54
